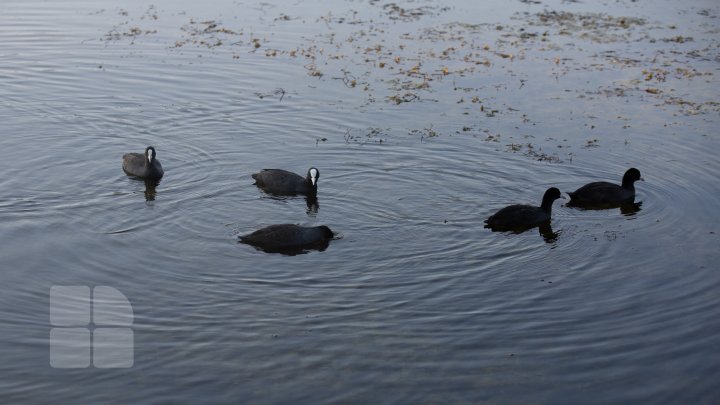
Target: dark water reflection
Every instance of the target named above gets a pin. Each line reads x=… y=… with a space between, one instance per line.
x=547 y=233
x=423 y=121
x=151 y=189
x=312 y=202
x=629 y=208
x=545 y=230
x=313 y=205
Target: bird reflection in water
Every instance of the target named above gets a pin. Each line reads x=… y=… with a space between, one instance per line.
x=294 y=251
x=311 y=201
x=547 y=233
x=544 y=228
x=628 y=208
x=150 y=189
x=312 y=205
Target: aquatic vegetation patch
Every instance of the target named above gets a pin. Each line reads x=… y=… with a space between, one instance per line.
x=596 y=27
x=383 y=56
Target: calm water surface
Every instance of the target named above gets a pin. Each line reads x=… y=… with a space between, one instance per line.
x=424 y=118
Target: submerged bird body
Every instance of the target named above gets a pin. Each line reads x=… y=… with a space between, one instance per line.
x=289 y=237
x=601 y=193
x=520 y=216
x=283 y=182
x=143 y=165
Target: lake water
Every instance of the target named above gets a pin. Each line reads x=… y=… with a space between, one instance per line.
x=424 y=118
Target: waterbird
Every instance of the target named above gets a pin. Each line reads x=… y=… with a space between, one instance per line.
x=602 y=193
x=283 y=182
x=522 y=216
x=143 y=165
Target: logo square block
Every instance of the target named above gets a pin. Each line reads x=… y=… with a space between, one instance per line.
x=113 y=348
x=69 y=347
x=70 y=305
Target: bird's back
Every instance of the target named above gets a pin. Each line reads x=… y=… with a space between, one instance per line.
x=280 y=181
x=285 y=236
x=600 y=192
x=134 y=164
x=518 y=215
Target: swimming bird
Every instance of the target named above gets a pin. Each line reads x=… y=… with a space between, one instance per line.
x=520 y=216
x=283 y=182
x=289 y=238
x=602 y=193
x=143 y=165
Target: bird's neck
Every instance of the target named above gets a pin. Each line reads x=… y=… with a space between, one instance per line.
x=628 y=184
x=547 y=204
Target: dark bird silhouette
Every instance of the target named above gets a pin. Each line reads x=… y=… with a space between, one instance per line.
x=142 y=165
x=603 y=194
x=289 y=238
x=283 y=182
x=520 y=216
